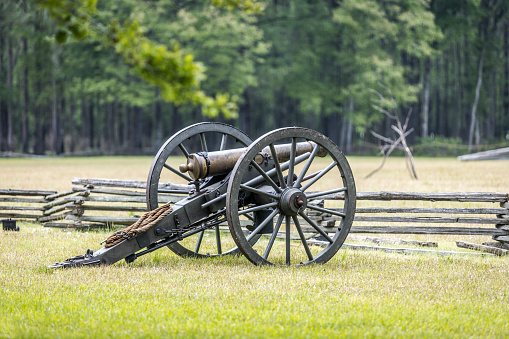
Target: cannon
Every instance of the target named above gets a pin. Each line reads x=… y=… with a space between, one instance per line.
x=266 y=191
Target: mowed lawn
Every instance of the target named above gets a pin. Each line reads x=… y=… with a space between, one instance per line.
x=356 y=294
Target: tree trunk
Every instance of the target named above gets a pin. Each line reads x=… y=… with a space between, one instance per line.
x=94 y=109
x=62 y=109
x=459 y=93
x=349 y=129
x=467 y=86
x=110 y=107
x=73 y=129
x=425 y=99
x=2 y=103
x=505 y=115
x=10 y=68
x=85 y=124
x=445 y=99
x=245 y=114
x=333 y=122
x=138 y=123
x=39 y=145
x=125 y=129
x=477 y=133
x=473 y=117
x=176 y=121
x=490 y=122
x=54 y=116
x=349 y=137
x=158 y=122
x=115 y=124
x=437 y=101
x=38 y=107
x=25 y=101
x=342 y=133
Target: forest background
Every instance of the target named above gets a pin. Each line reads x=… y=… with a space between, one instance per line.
x=321 y=64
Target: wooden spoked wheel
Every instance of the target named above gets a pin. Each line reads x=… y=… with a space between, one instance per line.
x=166 y=180
x=290 y=191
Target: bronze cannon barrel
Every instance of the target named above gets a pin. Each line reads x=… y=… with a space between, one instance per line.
x=206 y=164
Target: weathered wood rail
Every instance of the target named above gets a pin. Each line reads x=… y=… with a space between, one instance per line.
x=104 y=202
x=23 y=204
x=447 y=220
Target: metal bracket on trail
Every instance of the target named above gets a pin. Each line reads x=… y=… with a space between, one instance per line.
x=80 y=260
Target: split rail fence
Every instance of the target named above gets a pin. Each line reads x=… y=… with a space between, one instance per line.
x=95 y=203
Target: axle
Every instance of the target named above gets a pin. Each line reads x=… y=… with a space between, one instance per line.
x=202 y=165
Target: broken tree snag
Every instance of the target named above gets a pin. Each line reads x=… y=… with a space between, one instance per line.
x=401 y=129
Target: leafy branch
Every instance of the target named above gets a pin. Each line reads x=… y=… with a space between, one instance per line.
x=176 y=74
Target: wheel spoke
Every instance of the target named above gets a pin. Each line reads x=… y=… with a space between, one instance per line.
x=184 y=151
x=265 y=176
x=319 y=194
x=198 y=243
x=322 y=173
x=262 y=224
x=259 y=207
x=213 y=201
x=203 y=143
x=249 y=216
x=257 y=191
x=284 y=167
x=223 y=142
x=172 y=191
x=324 y=210
x=218 y=240
x=316 y=227
x=287 y=240
x=279 y=191
x=273 y=237
x=302 y=237
x=306 y=166
x=195 y=138
x=180 y=174
x=291 y=168
x=311 y=176
x=277 y=166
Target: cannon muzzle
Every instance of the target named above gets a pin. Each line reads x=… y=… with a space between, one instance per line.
x=206 y=164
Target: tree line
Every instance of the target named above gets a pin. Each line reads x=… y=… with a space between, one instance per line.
x=315 y=63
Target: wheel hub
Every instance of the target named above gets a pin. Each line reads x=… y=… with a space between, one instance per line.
x=292 y=201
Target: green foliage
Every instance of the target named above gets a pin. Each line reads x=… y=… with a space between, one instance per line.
x=310 y=63
x=71 y=16
x=374 y=35
x=248 y=6
x=438 y=146
x=229 y=44
x=176 y=74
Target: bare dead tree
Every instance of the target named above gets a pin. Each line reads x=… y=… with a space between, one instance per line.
x=392 y=144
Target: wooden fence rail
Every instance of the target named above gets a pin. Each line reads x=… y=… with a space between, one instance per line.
x=105 y=202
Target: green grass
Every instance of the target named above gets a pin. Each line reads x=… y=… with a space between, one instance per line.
x=356 y=294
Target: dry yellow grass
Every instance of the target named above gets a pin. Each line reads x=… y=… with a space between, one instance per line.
x=435 y=174
x=57 y=173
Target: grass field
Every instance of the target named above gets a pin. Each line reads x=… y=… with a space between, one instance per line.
x=356 y=294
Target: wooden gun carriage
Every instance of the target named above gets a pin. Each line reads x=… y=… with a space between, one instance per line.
x=266 y=189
